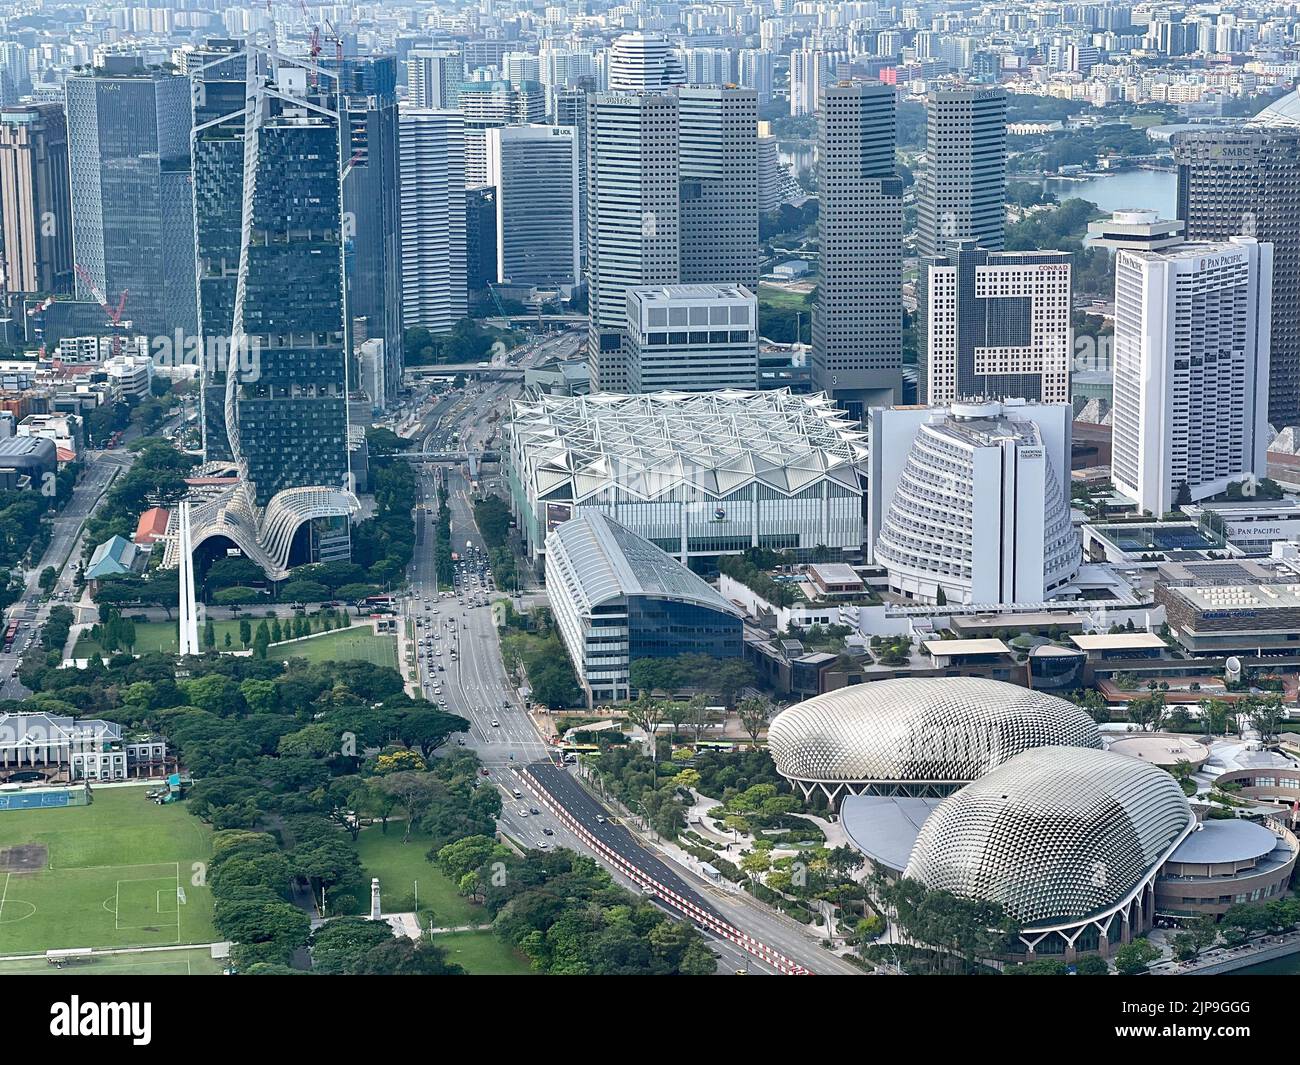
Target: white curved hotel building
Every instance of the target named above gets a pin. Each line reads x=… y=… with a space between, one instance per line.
x=969 y=503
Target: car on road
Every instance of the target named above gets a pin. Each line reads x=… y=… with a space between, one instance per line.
x=548 y=831
x=599 y=820
x=534 y=810
x=543 y=845
x=496 y=723
x=522 y=812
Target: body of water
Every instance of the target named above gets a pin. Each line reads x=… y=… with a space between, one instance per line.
x=1288 y=966
x=1152 y=190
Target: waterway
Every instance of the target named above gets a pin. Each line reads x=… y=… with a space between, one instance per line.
x=1288 y=966
x=1152 y=190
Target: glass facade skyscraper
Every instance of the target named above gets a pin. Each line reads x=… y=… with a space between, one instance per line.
x=218 y=75
x=132 y=210
x=288 y=418
x=372 y=206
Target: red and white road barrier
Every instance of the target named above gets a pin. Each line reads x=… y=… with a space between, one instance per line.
x=673 y=898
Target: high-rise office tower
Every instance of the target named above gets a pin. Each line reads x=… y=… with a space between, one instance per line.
x=710 y=66
x=963 y=192
x=719 y=185
x=132 y=208
x=1191 y=359
x=372 y=206
x=633 y=230
x=643 y=61
x=1248 y=181
x=563 y=70
x=286 y=378
x=15 y=73
x=290 y=419
x=433 y=78
x=994 y=324
x=521 y=66
x=483 y=54
x=756 y=72
x=811 y=71
x=571 y=110
x=491 y=105
x=219 y=75
x=535 y=172
x=858 y=315
x=433 y=218
x=35 y=202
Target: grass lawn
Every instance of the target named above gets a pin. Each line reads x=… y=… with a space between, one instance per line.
x=162 y=635
x=400 y=867
x=117 y=873
x=781 y=298
x=360 y=643
x=197 y=962
x=483 y=954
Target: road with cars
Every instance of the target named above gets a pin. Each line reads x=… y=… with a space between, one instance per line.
x=460 y=667
x=63 y=553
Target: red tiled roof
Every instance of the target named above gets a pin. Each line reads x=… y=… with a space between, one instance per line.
x=152 y=525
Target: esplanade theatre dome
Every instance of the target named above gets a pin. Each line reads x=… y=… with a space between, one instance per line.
x=1060 y=836
x=918 y=736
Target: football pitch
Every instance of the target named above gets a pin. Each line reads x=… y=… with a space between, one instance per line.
x=121 y=872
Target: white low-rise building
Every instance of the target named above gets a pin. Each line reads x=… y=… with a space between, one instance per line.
x=698 y=474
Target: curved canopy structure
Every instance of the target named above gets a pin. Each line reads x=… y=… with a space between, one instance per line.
x=1281 y=112
x=266 y=534
x=606 y=562
x=919 y=736
x=1057 y=835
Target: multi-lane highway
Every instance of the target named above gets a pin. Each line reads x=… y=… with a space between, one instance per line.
x=473 y=684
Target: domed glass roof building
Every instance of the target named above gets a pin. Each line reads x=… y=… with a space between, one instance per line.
x=1069 y=840
x=922 y=736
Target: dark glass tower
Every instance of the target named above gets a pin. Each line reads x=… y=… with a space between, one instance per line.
x=288 y=417
x=132 y=211
x=372 y=205
x=218 y=78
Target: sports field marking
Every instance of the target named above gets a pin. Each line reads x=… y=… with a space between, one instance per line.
x=5 y=895
x=143 y=906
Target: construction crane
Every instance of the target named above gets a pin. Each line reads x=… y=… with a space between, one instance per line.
x=36 y=312
x=337 y=38
x=114 y=313
x=313 y=47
